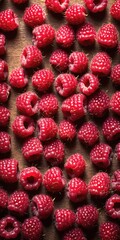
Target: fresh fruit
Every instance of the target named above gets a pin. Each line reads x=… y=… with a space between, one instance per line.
x=47 y=129
x=75 y=165
x=111 y=128
x=88 y=133
x=65 y=36
x=5 y=142
x=59 y=60
x=8 y=20
x=88 y=84
x=32 y=149
x=3 y=70
x=65 y=84
x=5 y=90
x=64 y=219
x=117 y=151
x=115 y=74
x=74 y=234
x=109 y=230
x=75 y=14
x=42 y=79
x=86 y=34
x=66 y=131
x=31 y=57
x=77 y=190
x=96 y=6
x=32 y=228
x=18 y=78
x=115 y=181
x=9 y=228
x=18 y=203
x=78 y=62
x=115 y=10
x=115 y=102
x=112 y=206
x=3 y=199
x=2 y=44
x=101 y=64
x=9 y=170
x=4 y=116
x=108 y=36
x=48 y=105
x=23 y=126
x=57 y=6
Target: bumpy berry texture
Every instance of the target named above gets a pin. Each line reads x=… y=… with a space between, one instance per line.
x=5 y=90
x=3 y=70
x=57 y=6
x=23 y=126
x=2 y=44
x=108 y=36
x=66 y=131
x=5 y=142
x=8 y=20
x=75 y=165
x=64 y=219
x=86 y=34
x=18 y=78
x=65 y=84
x=18 y=203
x=78 y=62
x=59 y=60
x=31 y=57
x=95 y=7
x=9 y=228
x=101 y=64
x=109 y=230
x=111 y=128
x=9 y=170
x=73 y=234
x=48 y=105
x=65 y=36
x=117 y=151
x=115 y=74
x=32 y=228
x=88 y=84
x=3 y=199
x=112 y=206
x=75 y=14
x=42 y=79
x=115 y=10
x=88 y=133
x=115 y=102
x=115 y=181
x=77 y=190
x=4 y=116
x=32 y=149
x=47 y=129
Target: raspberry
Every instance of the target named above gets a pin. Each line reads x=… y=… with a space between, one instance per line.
x=99 y=104
x=75 y=14
x=3 y=199
x=59 y=60
x=18 y=78
x=54 y=152
x=111 y=128
x=87 y=216
x=31 y=57
x=115 y=102
x=109 y=230
x=78 y=62
x=32 y=228
x=30 y=178
x=9 y=170
x=112 y=206
x=9 y=228
x=43 y=35
x=23 y=126
x=65 y=84
x=32 y=149
x=42 y=206
x=75 y=165
x=108 y=36
x=101 y=64
x=5 y=142
x=34 y=15
x=117 y=151
x=19 y=2
x=64 y=219
x=86 y=35
x=88 y=84
x=47 y=129
x=65 y=36
x=4 y=116
x=53 y=180
x=48 y=105
x=74 y=234
x=115 y=74
x=2 y=44
x=73 y=108
x=77 y=190
x=88 y=133
x=18 y=203
x=3 y=70
x=42 y=80
x=96 y=6
x=66 y=131
x=4 y=92
x=115 y=181
x=57 y=6
x=8 y=20
x=27 y=103
x=99 y=185
x=115 y=10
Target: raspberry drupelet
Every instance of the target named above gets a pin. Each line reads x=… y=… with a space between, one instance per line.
x=65 y=84
x=32 y=228
x=2 y=44
x=77 y=190
x=9 y=170
x=23 y=126
x=48 y=105
x=66 y=131
x=88 y=133
x=75 y=165
x=59 y=60
x=5 y=90
x=64 y=219
x=57 y=6
x=109 y=230
x=65 y=36
x=31 y=57
x=9 y=227
x=18 y=78
x=111 y=129
x=32 y=149
x=75 y=14
x=47 y=129
x=96 y=6
x=8 y=20
x=88 y=84
x=86 y=35
x=42 y=80
x=18 y=203
x=112 y=206
x=3 y=70
x=101 y=64
x=108 y=36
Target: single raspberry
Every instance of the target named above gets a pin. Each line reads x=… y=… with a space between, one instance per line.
x=18 y=78
x=47 y=129
x=3 y=199
x=30 y=178
x=75 y=14
x=23 y=126
x=42 y=206
x=87 y=216
x=4 y=92
x=3 y=70
x=96 y=6
x=99 y=185
x=19 y=2
x=53 y=180
x=64 y=219
x=42 y=79
x=65 y=84
x=74 y=234
x=8 y=20
x=86 y=35
x=115 y=10
x=101 y=64
x=115 y=74
x=112 y=206
x=48 y=105
x=115 y=102
x=56 y=5
x=4 y=116
x=108 y=36
x=111 y=128
x=32 y=149
x=2 y=44
x=78 y=62
x=117 y=151
x=73 y=108
x=9 y=170
x=54 y=152
x=31 y=57
x=65 y=36
x=18 y=203
x=88 y=133
x=88 y=84
x=66 y=131
x=5 y=142
x=32 y=228
x=43 y=35
x=115 y=181
x=59 y=60
x=9 y=228
x=34 y=15
x=77 y=190
x=75 y=165
x=27 y=103
x=109 y=230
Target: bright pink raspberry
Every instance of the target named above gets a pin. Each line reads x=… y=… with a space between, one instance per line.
x=23 y=126
x=115 y=102
x=47 y=129
x=3 y=199
x=77 y=190
x=115 y=74
x=75 y=165
x=112 y=206
x=109 y=230
x=96 y=6
x=4 y=116
x=74 y=234
x=88 y=84
x=59 y=60
x=86 y=35
x=9 y=228
x=117 y=151
x=111 y=128
x=64 y=219
x=32 y=149
x=78 y=62
x=115 y=10
x=42 y=79
x=88 y=133
x=48 y=105
x=3 y=70
x=65 y=84
x=108 y=36
x=66 y=131
x=75 y=14
x=32 y=228
x=8 y=20
x=18 y=203
x=65 y=36
x=31 y=57
x=2 y=44
x=5 y=142
x=56 y=5
x=115 y=181
x=9 y=170
x=18 y=78
x=4 y=92
x=101 y=64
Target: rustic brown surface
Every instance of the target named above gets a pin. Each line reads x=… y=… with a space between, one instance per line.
x=15 y=44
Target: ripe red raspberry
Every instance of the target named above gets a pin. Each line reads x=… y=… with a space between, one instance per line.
x=75 y=14
x=19 y=2
x=31 y=57
x=75 y=165
x=48 y=105
x=108 y=36
x=65 y=84
x=8 y=20
x=3 y=70
x=109 y=230
x=65 y=36
x=9 y=170
x=5 y=142
x=53 y=180
x=64 y=219
x=66 y=131
x=42 y=206
x=96 y=6
x=3 y=199
x=34 y=15
x=99 y=104
x=73 y=108
x=57 y=6
x=117 y=151
x=23 y=126
x=88 y=84
x=87 y=216
x=101 y=64
x=32 y=228
x=111 y=128
x=2 y=44
x=4 y=116
x=78 y=62
x=59 y=60
x=115 y=74
x=88 y=133
x=115 y=10
x=74 y=234
x=43 y=35
x=4 y=92
x=54 y=152
x=77 y=190
x=115 y=102
x=18 y=203
x=42 y=79
x=9 y=228
x=112 y=206
x=18 y=78
x=47 y=129
x=115 y=181
x=32 y=149
x=27 y=103
x=99 y=185
x=30 y=178
x=86 y=35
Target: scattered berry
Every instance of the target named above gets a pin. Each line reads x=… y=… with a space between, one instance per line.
x=111 y=128
x=42 y=79
x=32 y=149
x=115 y=102
x=115 y=74
x=74 y=234
x=57 y=6
x=88 y=133
x=65 y=36
x=18 y=203
x=108 y=36
x=66 y=131
x=77 y=190
x=88 y=84
x=65 y=84
x=31 y=57
x=86 y=35
x=101 y=64
x=112 y=206
x=18 y=78
x=115 y=10
x=9 y=170
x=75 y=165
x=78 y=62
x=5 y=142
x=3 y=70
x=96 y=6
x=109 y=230
x=4 y=116
x=64 y=219
x=117 y=151
x=8 y=20
x=9 y=228
x=23 y=126
x=4 y=92
x=115 y=181
x=59 y=60
x=48 y=105
x=75 y=14
x=2 y=44
x=3 y=199
x=47 y=129
x=32 y=228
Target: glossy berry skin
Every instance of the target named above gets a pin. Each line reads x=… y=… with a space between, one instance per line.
x=32 y=149
x=117 y=151
x=65 y=36
x=3 y=199
x=9 y=170
x=42 y=79
x=75 y=14
x=8 y=20
x=5 y=142
x=65 y=84
x=18 y=203
x=9 y=228
x=115 y=10
x=64 y=219
x=32 y=228
x=4 y=116
x=108 y=36
x=47 y=129
x=66 y=131
x=88 y=84
x=73 y=234
x=101 y=64
x=96 y=7
x=57 y=6
x=31 y=57
x=77 y=190
x=59 y=60
x=88 y=133
x=48 y=105
x=115 y=74
x=5 y=90
x=3 y=70
x=2 y=44
x=78 y=62
x=86 y=35
x=115 y=181
x=75 y=165
x=18 y=78
x=111 y=128
x=19 y=126
x=109 y=230
x=111 y=206
x=115 y=102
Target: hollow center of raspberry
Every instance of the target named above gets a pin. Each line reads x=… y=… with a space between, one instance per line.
x=26 y=124
x=117 y=206
x=31 y=179
x=97 y=2
x=9 y=227
x=87 y=83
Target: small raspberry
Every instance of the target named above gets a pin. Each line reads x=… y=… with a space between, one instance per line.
x=9 y=170
x=18 y=203
x=2 y=44
x=75 y=14
x=88 y=133
x=109 y=231
x=75 y=165
x=115 y=10
x=74 y=234
x=9 y=228
x=77 y=190
x=88 y=84
x=96 y=6
x=117 y=151
x=66 y=131
x=5 y=142
x=115 y=181
x=23 y=126
x=42 y=79
x=32 y=228
x=115 y=74
x=4 y=116
x=111 y=128
x=65 y=36
x=108 y=36
x=112 y=206
x=31 y=57
x=101 y=64
x=32 y=149
x=59 y=60
x=86 y=35
x=8 y=20
x=47 y=129
x=18 y=78
x=3 y=70
x=65 y=84
x=4 y=92
x=57 y=6
x=115 y=102
x=48 y=105
x=3 y=199
x=64 y=219
x=78 y=62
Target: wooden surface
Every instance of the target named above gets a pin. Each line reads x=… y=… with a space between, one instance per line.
x=15 y=44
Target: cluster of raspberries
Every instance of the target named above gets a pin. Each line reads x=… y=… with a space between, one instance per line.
x=77 y=93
